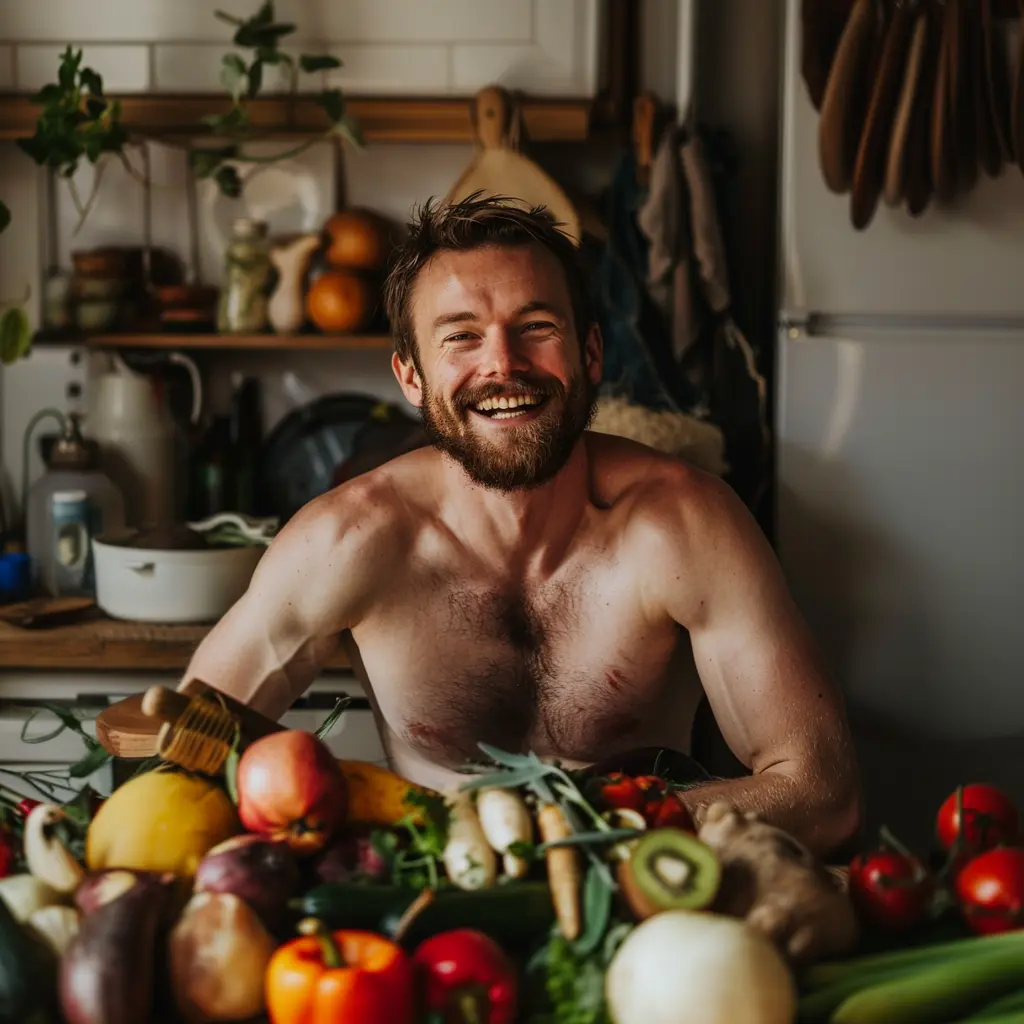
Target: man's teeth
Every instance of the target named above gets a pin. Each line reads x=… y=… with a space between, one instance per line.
x=506 y=402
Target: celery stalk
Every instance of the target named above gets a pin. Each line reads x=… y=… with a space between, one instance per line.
x=937 y=993
x=1002 y=1008
x=832 y=971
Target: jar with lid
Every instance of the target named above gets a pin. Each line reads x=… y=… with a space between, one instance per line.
x=72 y=502
x=244 y=294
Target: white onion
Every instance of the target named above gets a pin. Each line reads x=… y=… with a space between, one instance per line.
x=692 y=967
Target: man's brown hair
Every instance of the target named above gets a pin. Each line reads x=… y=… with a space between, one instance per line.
x=472 y=223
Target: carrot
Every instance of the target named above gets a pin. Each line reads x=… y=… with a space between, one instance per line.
x=564 y=875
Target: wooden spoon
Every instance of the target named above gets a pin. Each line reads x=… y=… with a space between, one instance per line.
x=869 y=171
x=845 y=101
x=961 y=93
x=919 y=184
x=943 y=153
x=991 y=148
x=997 y=82
x=897 y=164
x=821 y=27
x=1018 y=97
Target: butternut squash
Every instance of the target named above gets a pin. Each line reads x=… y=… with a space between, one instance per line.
x=163 y=821
x=377 y=796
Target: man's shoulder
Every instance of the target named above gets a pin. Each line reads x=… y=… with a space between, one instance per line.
x=653 y=482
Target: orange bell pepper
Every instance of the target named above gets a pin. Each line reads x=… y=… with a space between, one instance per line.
x=343 y=977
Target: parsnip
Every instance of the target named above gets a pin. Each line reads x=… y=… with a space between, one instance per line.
x=505 y=819
x=564 y=874
x=47 y=857
x=468 y=858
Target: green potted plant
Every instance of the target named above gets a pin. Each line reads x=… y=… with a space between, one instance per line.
x=243 y=78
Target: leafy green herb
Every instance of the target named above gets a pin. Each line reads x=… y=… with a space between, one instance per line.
x=15 y=335
x=575 y=985
x=243 y=78
x=231 y=767
x=332 y=719
x=419 y=864
x=77 y=122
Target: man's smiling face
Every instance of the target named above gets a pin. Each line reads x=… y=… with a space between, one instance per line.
x=505 y=387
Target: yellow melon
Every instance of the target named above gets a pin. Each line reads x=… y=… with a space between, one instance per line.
x=160 y=821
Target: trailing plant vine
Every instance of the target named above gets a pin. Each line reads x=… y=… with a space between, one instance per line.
x=262 y=34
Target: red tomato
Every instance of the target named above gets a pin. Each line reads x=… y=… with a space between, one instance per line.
x=620 y=792
x=990 y=818
x=669 y=812
x=990 y=888
x=890 y=890
x=26 y=805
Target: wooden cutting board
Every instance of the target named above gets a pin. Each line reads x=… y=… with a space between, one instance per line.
x=498 y=168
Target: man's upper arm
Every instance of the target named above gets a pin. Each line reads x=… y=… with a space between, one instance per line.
x=761 y=670
x=311 y=584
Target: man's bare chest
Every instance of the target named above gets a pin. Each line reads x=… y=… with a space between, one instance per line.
x=563 y=668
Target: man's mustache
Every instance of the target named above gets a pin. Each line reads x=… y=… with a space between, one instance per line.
x=549 y=388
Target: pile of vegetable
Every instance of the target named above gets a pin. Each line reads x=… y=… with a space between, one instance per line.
x=299 y=889
x=952 y=922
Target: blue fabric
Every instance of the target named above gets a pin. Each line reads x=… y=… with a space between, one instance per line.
x=637 y=356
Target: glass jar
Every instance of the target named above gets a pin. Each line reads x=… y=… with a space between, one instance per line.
x=243 y=297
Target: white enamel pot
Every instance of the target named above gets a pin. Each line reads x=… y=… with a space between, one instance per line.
x=149 y=585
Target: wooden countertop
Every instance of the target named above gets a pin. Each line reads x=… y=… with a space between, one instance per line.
x=98 y=643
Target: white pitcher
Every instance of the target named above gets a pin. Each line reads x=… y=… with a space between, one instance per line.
x=138 y=437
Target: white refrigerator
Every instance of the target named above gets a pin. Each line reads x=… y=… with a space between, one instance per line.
x=899 y=425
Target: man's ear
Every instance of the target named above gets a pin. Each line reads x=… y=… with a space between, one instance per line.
x=408 y=380
x=593 y=354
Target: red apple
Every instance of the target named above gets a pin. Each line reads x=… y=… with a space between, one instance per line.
x=291 y=789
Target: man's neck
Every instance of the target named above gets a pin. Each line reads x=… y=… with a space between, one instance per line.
x=524 y=531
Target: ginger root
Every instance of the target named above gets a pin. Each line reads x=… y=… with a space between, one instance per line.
x=778 y=887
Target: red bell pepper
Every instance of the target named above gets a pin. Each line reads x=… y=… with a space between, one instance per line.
x=468 y=978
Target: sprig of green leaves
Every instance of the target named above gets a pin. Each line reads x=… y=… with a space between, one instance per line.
x=243 y=78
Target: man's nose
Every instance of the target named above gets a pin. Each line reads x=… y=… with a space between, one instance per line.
x=503 y=353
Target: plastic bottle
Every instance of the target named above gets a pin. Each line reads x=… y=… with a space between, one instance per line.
x=72 y=502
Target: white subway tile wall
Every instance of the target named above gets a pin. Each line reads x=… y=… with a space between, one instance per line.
x=124 y=68
x=6 y=67
x=389 y=46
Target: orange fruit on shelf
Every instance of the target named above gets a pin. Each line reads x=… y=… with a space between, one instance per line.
x=340 y=301
x=356 y=240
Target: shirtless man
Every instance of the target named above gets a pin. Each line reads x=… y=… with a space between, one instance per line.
x=529 y=583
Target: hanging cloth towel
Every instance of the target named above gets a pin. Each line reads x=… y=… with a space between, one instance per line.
x=687 y=279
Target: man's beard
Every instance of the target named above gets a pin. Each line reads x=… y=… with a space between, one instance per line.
x=521 y=456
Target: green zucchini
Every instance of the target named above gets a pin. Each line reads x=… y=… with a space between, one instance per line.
x=27 y=973
x=519 y=912
x=937 y=993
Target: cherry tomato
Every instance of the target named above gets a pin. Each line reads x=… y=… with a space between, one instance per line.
x=8 y=854
x=669 y=812
x=990 y=818
x=990 y=888
x=891 y=890
x=621 y=792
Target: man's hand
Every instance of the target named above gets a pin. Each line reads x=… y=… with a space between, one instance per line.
x=764 y=679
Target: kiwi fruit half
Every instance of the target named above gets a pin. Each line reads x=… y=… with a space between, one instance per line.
x=669 y=869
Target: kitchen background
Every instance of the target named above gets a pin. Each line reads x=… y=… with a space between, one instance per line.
x=932 y=705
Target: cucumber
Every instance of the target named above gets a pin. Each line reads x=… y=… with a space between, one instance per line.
x=935 y=994
x=516 y=913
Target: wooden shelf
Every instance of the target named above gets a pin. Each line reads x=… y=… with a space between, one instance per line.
x=100 y=644
x=260 y=342
x=382 y=119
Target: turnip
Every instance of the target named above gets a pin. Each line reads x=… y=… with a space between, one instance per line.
x=505 y=819
x=693 y=967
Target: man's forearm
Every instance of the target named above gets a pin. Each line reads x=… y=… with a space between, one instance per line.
x=824 y=818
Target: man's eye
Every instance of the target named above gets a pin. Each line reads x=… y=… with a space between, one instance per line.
x=464 y=336
x=539 y=325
